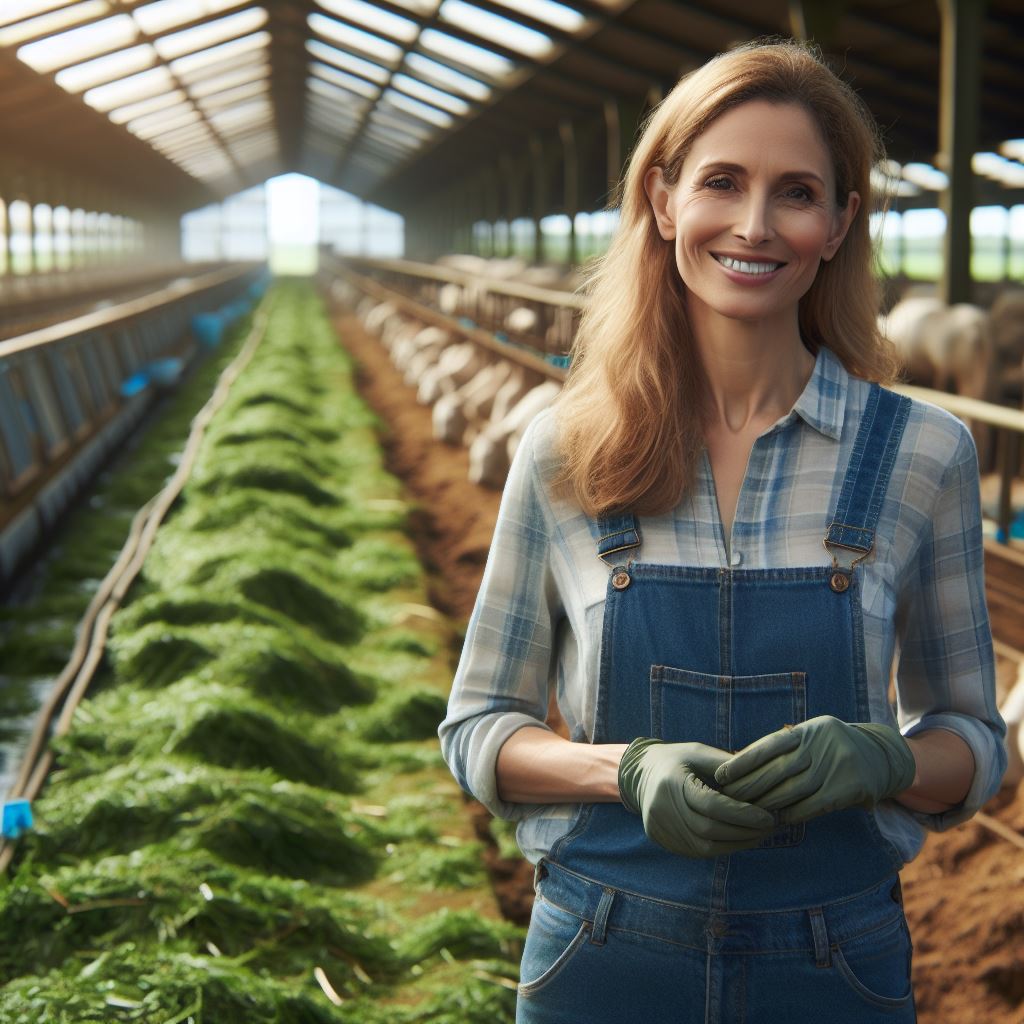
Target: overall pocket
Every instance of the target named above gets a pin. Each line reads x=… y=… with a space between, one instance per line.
x=876 y=964
x=728 y=712
x=553 y=938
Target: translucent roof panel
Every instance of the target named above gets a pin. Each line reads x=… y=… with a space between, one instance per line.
x=509 y=33
x=422 y=111
x=106 y=69
x=47 y=24
x=229 y=96
x=406 y=131
x=130 y=90
x=365 y=43
x=376 y=19
x=446 y=77
x=348 y=62
x=554 y=14
x=164 y=15
x=257 y=69
x=79 y=44
x=201 y=37
x=130 y=111
x=249 y=113
x=16 y=10
x=164 y=122
x=439 y=98
x=476 y=58
x=344 y=80
x=226 y=53
x=334 y=94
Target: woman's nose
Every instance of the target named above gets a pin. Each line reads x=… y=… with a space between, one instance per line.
x=753 y=223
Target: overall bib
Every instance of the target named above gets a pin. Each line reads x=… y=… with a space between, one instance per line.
x=807 y=927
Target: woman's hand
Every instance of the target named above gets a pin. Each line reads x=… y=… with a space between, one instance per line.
x=835 y=764
x=670 y=786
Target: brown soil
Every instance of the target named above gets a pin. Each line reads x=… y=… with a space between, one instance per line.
x=964 y=894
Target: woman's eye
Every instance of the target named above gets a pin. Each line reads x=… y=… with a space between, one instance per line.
x=799 y=192
x=718 y=183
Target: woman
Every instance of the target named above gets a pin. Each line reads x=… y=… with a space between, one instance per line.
x=712 y=548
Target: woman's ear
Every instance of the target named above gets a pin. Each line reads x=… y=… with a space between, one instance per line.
x=842 y=225
x=658 y=195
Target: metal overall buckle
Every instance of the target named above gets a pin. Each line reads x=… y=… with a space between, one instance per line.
x=842 y=570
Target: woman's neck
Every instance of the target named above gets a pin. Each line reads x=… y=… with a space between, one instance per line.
x=754 y=372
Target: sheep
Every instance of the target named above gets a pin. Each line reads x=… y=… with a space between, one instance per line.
x=452 y=412
x=455 y=366
x=947 y=348
x=420 y=347
x=488 y=455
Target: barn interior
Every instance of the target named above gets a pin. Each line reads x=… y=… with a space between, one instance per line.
x=463 y=157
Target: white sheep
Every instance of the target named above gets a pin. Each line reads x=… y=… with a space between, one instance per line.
x=488 y=455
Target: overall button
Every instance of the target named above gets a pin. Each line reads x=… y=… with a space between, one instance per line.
x=735 y=558
x=620 y=580
x=718 y=928
x=839 y=582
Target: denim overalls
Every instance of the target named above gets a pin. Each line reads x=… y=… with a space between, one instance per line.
x=809 y=926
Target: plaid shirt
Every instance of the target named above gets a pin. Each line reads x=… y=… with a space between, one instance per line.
x=538 y=617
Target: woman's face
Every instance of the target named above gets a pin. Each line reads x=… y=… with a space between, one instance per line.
x=753 y=213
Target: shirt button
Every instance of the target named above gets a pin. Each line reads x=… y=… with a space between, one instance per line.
x=735 y=558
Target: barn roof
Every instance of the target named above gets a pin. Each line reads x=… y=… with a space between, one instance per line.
x=181 y=102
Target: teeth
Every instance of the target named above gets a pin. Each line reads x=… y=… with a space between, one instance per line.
x=747 y=268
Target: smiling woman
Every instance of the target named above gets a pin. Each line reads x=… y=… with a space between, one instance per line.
x=713 y=547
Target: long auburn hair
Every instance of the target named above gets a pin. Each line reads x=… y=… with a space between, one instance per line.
x=631 y=414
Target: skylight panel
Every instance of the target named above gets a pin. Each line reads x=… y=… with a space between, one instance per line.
x=366 y=43
x=180 y=140
x=348 y=61
x=133 y=110
x=387 y=145
x=236 y=95
x=334 y=93
x=496 y=28
x=130 y=90
x=474 y=57
x=79 y=44
x=106 y=69
x=15 y=10
x=345 y=80
x=203 y=36
x=163 y=123
x=405 y=130
x=258 y=70
x=164 y=15
x=194 y=62
x=554 y=14
x=423 y=111
x=422 y=91
x=422 y=7
x=52 y=22
x=244 y=113
x=374 y=18
x=448 y=77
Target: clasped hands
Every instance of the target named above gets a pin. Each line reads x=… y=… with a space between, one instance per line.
x=700 y=801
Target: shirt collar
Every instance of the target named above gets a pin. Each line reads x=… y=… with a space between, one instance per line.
x=822 y=403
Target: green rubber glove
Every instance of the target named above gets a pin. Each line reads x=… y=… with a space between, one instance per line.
x=836 y=764
x=670 y=786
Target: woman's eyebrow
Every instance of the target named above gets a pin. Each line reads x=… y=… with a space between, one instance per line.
x=724 y=165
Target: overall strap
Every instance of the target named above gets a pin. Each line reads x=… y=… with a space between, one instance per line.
x=851 y=534
x=614 y=534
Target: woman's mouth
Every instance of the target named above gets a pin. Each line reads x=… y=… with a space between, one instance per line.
x=746 y=267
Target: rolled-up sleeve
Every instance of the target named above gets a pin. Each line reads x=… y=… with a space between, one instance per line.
x=946 y=670
x=502 y=680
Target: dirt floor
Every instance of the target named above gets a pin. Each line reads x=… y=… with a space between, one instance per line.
x=964 y=894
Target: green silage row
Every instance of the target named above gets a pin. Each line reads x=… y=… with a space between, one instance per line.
x=252 y=797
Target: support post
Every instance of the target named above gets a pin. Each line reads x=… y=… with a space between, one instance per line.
x=538 y=174
x=572 y=180
x=958 y=116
